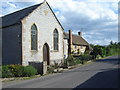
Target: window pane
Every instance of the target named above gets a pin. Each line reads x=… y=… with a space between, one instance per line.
x=33 y=37
x=55 y=39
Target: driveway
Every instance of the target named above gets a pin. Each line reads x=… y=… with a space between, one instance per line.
x=100 y=74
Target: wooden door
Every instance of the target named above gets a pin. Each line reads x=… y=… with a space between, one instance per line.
x=46 y=53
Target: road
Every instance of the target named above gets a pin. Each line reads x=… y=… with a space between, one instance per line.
x=99 y=74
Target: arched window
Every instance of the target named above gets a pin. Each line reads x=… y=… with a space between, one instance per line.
x=56 y=39
x=33 y=37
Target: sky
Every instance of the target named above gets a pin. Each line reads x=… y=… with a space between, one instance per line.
x=96 y=19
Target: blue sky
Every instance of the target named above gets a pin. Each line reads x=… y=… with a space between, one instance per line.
x=96 y=19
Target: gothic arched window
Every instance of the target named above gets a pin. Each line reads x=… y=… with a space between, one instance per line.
x=33 y=37
x=55 y=38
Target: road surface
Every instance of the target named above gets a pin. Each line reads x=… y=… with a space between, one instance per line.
x=99 y=74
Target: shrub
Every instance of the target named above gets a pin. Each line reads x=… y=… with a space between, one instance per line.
x=98 y=56
x=50 y=69
x=6 y=73
x=77 y=61
x=17 y=70
x=64 y=64
x=85 y=57
x=29 y=71
x=70 y=60
x=56 y=65
x=0 y=71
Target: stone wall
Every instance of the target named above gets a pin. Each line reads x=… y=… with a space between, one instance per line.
x=46 y=23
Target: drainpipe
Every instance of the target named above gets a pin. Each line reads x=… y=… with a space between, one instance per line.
x=70 y=42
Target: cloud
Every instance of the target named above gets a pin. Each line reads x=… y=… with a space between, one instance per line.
x=97 y=19
x=11 y=4
x=1 y=15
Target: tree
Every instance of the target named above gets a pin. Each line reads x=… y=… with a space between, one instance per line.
x=111 y=42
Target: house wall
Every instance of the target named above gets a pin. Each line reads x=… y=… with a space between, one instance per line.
x=11 y=45
x=76 y=47
x=46 y=23
x=65 y=48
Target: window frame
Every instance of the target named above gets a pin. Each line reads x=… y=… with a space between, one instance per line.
x=81 y=47
x=36 y=35
x=55 y=32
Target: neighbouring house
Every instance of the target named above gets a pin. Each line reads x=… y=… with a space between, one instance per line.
x=75 y=44
x=32 y=35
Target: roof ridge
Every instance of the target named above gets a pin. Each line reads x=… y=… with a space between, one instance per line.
x=17 y=16
x=21 y=9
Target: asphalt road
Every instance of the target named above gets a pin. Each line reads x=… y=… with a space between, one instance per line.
x=99 y=74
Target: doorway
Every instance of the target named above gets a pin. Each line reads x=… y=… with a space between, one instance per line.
x=46 y=53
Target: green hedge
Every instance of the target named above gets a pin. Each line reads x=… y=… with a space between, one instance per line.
x=6 y=72
x=50 y=69
x=77 y=61
x=70 y=61
x=29 y=71
x=85 y=57
x=18 y=71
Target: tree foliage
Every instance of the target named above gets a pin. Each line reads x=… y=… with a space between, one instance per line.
x=112 y=49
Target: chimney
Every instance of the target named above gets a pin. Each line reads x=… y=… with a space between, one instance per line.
x=80 y=33
x=70 y=42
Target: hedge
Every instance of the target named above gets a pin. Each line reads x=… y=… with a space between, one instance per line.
x=6 y=72
x=29 y=71
x=85 y=57
x=17 y=71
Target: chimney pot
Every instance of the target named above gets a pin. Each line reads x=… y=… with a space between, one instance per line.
x=80 y=33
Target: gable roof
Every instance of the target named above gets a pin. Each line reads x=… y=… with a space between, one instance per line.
x=17 y=16
x=77 y=40
x=55 y=16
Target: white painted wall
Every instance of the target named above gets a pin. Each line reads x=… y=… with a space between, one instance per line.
x=45 y=21
x=65 y=48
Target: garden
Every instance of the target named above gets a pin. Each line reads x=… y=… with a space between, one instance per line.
x=9 y=71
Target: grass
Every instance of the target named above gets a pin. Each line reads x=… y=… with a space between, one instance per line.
x=19 y=78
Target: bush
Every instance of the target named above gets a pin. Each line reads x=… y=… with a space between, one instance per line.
x=98 y=56
x=64 y=64
x=85 y=57
x=77 y=61
x=6 y=73
x=70 y=60
x=56 y=65
x=29 y=71
x=17 y=71
x=50 y=69
x=0 y=71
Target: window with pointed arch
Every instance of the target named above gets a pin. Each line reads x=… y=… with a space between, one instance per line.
x=33 y=37
x=55 y=39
